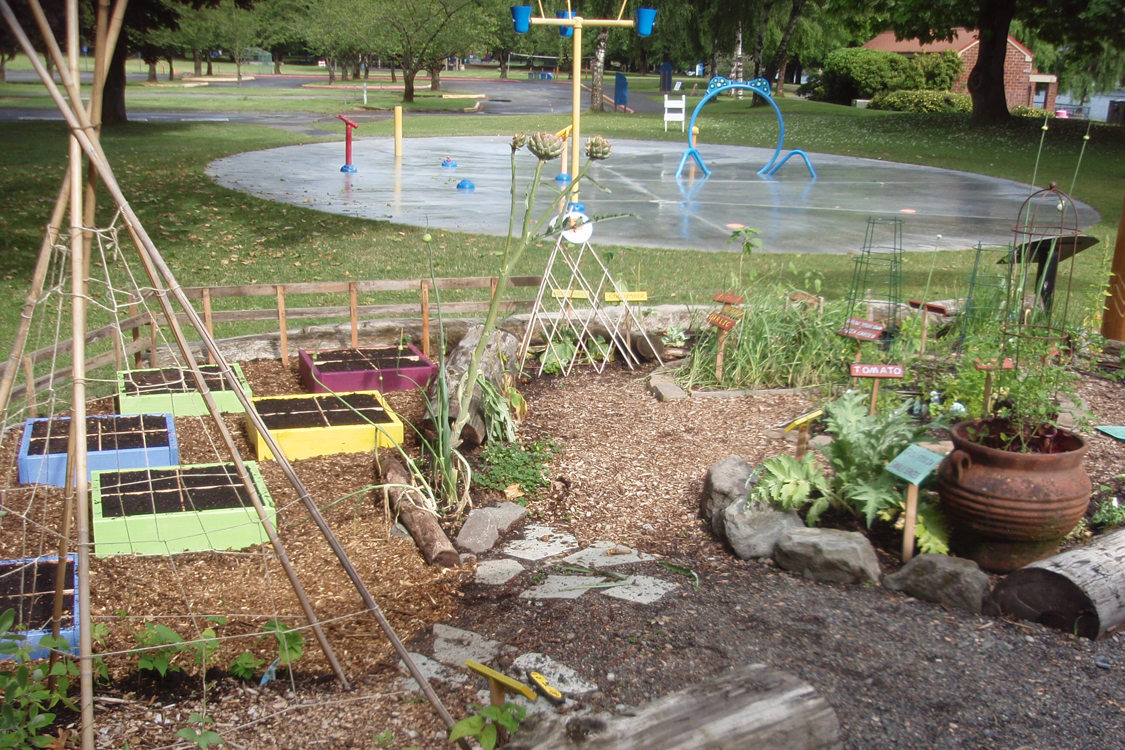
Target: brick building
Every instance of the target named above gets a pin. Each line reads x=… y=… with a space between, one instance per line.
x=1023 y=84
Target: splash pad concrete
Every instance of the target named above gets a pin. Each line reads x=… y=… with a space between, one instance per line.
x=794 y=213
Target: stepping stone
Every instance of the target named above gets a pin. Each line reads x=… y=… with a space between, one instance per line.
x=431 y=670
x=561 y=587
x=539 y=542
x=639 y=589
x=453 y=646
x=559 y=675
x=497 y=572
x=598 y=555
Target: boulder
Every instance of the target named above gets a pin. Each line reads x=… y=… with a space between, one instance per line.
x=483 y=526
x=727 y=481
x=753 y=529
x=499 y=357
x=828 y=555
x=952 y=582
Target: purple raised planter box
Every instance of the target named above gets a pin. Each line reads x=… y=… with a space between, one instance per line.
x=379 y=368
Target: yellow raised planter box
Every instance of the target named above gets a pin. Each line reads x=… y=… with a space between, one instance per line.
x=323 y=424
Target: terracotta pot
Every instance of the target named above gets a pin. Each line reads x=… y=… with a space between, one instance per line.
x=1009 y=508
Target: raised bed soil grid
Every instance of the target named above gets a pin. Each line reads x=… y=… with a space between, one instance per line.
x=113 y=442
x=173 y=389
x=382 y=368
x=177 y=509
x=28 y=587
x=323 y=424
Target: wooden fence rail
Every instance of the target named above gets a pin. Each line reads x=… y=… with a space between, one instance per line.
x=140 y=345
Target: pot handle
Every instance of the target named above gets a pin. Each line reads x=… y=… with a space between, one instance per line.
x=961 y=462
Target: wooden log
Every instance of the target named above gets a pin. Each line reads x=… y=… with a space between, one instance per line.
x=751 y=706
x=422 y=525
x=1080 y=591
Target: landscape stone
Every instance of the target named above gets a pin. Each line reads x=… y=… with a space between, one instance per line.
x=497 y=572
x=562 y=677
x=505 y=514
x=453 y=646
x=499 y=357
x=953 y=582
x=539 y=542
x=607 y=554
x=726 y=482
x=828 y=555
x=479 y=532
x=664 y=388
x=753 y=529
x=639 y=589
x=561 y=587
x=431 y=670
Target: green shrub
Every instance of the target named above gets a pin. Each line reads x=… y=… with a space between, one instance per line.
x=924 y=101
x=940 y=70
x=524 y=464
x=1035 y=113
x=857 y=73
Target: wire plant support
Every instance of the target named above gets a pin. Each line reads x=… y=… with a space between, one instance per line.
x=876 y=289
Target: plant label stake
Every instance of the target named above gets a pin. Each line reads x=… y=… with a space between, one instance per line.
x=914 y=464
x=801 y=423
x=987 y=366
x=877 y=373
x=725 y=320
x=500 y=685
x=861 y=330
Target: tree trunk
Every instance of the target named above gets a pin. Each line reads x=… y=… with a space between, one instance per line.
x=777 y=67
x=152 y=77
x=275 y=55
x=986 y=81
x=780 y=92
x=408 y=76
x=113 y=96
x=597 y=83
x=330 y=63
x=422 y=525
x=1080 y=591
x=171 y=69
x=435 y=75
x=197 y=62
x=210 y=67
x=503 y=58
x=736 y=60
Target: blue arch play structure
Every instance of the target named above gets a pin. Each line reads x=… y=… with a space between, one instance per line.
x=761 y=87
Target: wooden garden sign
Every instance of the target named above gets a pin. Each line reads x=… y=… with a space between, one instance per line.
x=725 y=320
x=862 y=330
x=914 y=464
x=877 y=373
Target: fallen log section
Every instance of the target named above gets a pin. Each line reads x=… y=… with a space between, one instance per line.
x=422 y=525
x=752 y=706
x=1080 y=591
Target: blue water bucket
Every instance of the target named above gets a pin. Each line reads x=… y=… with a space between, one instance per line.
x=521 y=18
x=646 y=17
x=566 y=31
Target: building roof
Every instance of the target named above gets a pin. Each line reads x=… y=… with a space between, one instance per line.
x=962 y=39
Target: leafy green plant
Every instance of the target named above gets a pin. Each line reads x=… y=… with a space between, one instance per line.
x=862 y=445
x=28 y=697
x=290 y=642
x=201 y=734
x=921 y=100
x=503 y=407
x=161 y=644
x=674 y=336
x=245 y=665
x=524 y=464
x=486 y=724
x=1110 y=514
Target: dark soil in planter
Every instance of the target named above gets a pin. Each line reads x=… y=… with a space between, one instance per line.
x=321 y=411
x=103 y=433
x=30 y=590
x=377 y=358
x=180 y=490
x=1004 y=435
x=172 y=380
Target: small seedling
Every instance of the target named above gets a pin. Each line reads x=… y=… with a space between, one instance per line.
x=162 y=644
x=202 y=737
x=485 y=725
x=245 y=665
x=290 y=643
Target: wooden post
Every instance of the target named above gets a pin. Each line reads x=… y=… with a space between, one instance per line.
x=425 y=288
x=874 y=395
x=136 y=336
x=925 y=323
x=208 y=320
x=353 y=312
x=29 y=376
x=909 y=521
x=802 y=441
x=153 y=341
x=720 y=354
x=282 y=326
x=1113 y=320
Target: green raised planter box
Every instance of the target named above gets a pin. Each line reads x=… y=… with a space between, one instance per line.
x=172 y=390
x=177 y=509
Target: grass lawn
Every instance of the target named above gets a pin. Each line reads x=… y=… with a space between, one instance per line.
x=212 y=235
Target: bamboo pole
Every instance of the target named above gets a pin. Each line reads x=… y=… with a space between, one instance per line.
x=282 y=326
x=353 y=314
x=154 y=262
x=1113 y=320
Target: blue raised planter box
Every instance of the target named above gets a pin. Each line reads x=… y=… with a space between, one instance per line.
x=113 y=442
x=28 y=587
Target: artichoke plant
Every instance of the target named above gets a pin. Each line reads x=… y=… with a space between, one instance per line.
x=598 y=148
x=545 y=146
x=519 y=140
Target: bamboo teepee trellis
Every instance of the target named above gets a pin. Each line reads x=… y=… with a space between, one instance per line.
x=76 y=198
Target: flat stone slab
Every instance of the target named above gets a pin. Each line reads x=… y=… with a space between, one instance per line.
x=497 y=572
x=561 y=587
x=432 y=670
x=607 y=554
x=453 y=646
x=639 y=589
x=540 y=542
x=569 y=682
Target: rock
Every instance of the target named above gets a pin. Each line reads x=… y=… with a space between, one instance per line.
x=663 y=386
x=506 y=514
x=753 y=529
x=726 y=482
x=479 y=531
x=499 y=357
x=953 y=582
x=828 y=555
